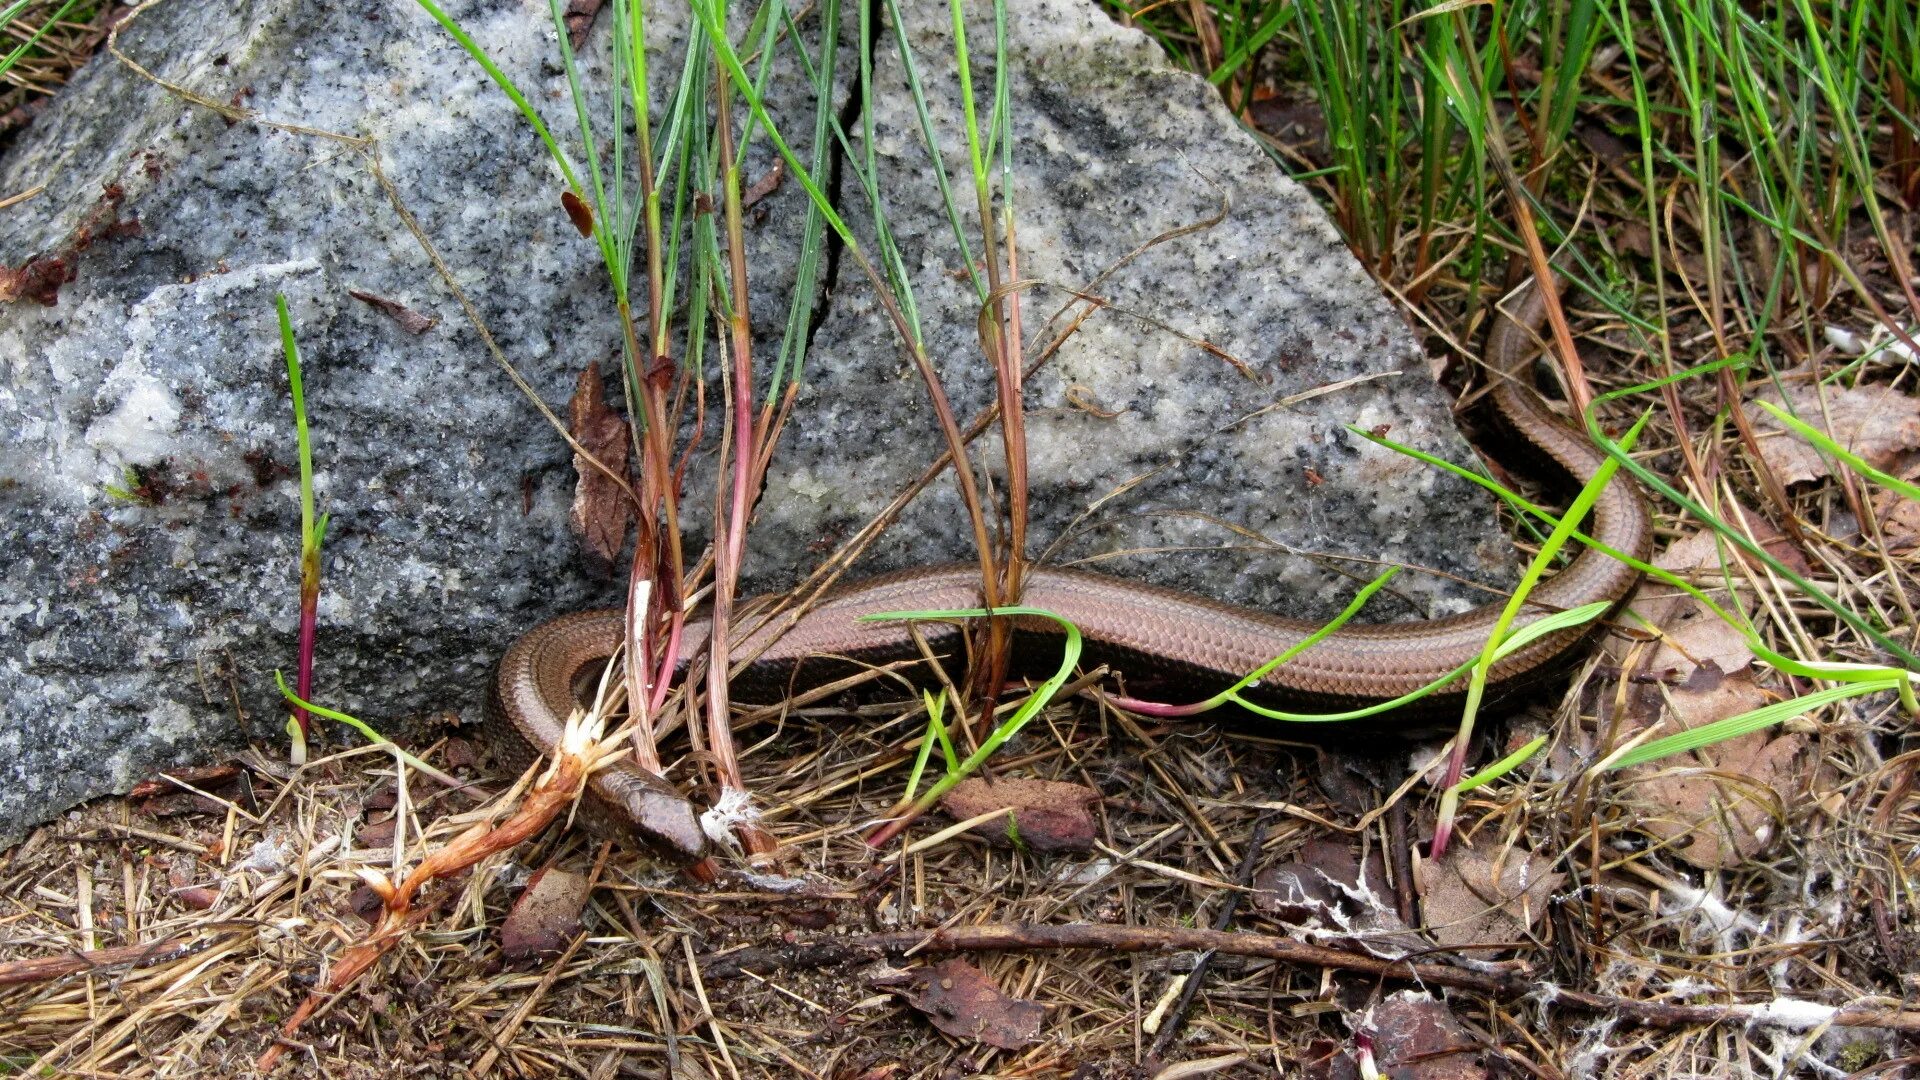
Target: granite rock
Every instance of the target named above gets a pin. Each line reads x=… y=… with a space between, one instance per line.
x=1167 y=438
x=148 y=509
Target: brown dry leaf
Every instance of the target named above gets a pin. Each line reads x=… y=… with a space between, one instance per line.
x=1328 y=1060
x=180 y=879
x=579 y=17
x=545 y=917
x=578 y=212
x=1312 y=889
x=1899 y=516
x=1415 y=1037
x=403 y=316
x=377 y=834
x=1878 y=423
x=1633 y=236
x=459 y=753
x=960 y=1000
x=1480 y=896
x=198 y=791
x=1048 y=815
x=1717 y=806
x=600 y=508
x=1693 y=635
x=1899 y=522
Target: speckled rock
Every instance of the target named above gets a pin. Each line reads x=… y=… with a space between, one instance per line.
x=1167 y=439
x=148 y=513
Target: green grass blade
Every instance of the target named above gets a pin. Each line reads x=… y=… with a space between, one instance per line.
x=12 y=12
x=1502 y=767
x=1852 y=460
x=507 y=87
x=1036 y=701
x=1734 y=536
x=1746 y=723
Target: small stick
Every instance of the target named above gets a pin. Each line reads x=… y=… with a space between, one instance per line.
x=1013 y=937
x=45 y=968
x=1176 y=1018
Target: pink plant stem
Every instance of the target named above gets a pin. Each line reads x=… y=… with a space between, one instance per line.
x=1160 y=708
x=744 y=445
x=309 y=630
x=663 y=679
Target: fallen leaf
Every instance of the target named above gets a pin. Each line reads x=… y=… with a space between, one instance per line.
x=578 y=212
x=1634 y=237
x=459 y=753
x=768 y=183
x=180 y=879
x=205 y=778
x=1771 y=540
x=1328 y=1060
x=377 y=834
x=1692 y=635
x=960 y=1000
x=1415 y=1037
x=545 y=917
x=1048 y=815
x=1717 y=806
x=1322 y=885
x=1325 y=888
x=197 y=897
x=403 y=316
x=1899 y=516
x=1899 y=522
x=812 y=916
x=600 y=507
x=579 y=17
x=1878 y=423
x=1476 y=896
x=365 y=903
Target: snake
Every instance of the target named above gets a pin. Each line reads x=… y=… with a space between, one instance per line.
x=1140 y=629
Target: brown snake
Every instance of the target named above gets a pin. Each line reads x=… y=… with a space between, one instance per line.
x=1138 y=628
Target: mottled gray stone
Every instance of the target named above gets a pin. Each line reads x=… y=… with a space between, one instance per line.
x=128 y=630
x=1199 y=478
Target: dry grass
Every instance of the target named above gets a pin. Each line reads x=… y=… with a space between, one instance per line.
x=59 y=53
x=1180 y=804
x=233 y=914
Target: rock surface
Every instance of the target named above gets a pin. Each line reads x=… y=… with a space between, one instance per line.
x=148 y=507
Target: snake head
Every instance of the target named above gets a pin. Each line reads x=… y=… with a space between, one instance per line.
x=652 y=811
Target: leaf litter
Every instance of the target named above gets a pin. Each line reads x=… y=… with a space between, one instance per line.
x=1879 y=423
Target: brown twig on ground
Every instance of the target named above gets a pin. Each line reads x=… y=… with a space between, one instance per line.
x=47 y=968
x=1006 y=937
x=1176 y=1017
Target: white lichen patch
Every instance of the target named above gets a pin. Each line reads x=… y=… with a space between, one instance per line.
x=139 y=429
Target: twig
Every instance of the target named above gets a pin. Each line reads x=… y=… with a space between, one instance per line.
x=46 y=968
x=1176 y=1017
x=1012 y=937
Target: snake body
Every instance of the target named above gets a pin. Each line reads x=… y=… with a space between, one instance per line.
x=1139 y=628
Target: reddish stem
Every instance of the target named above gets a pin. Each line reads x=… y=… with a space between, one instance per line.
x=309 y=630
